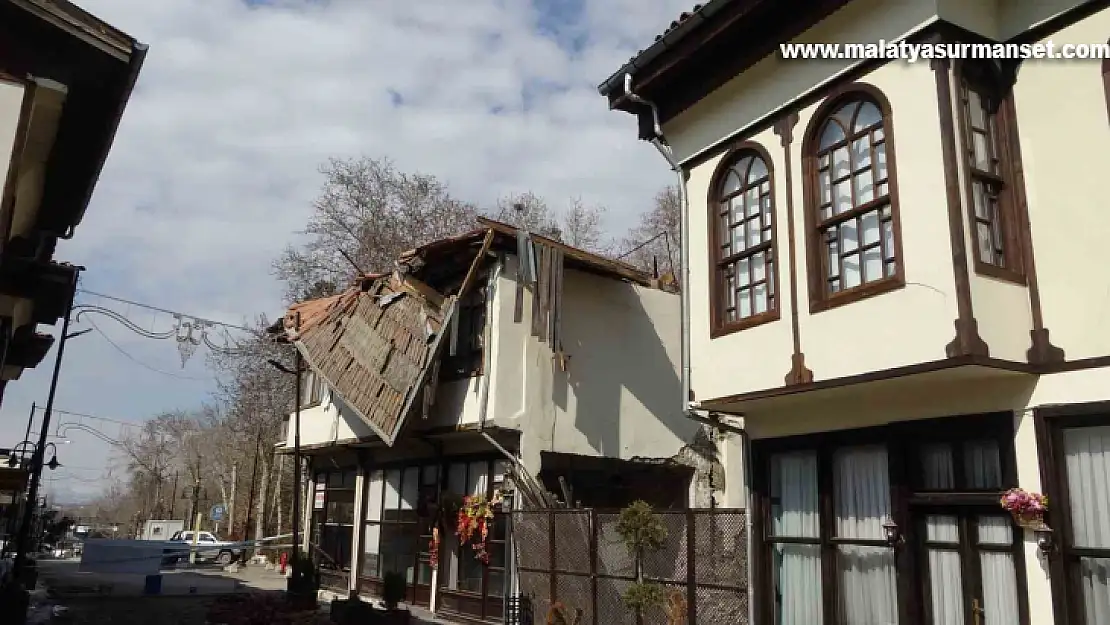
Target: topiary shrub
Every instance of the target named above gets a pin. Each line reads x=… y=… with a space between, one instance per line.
x=642 y=530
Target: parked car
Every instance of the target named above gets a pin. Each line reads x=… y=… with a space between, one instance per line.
x=208 y=546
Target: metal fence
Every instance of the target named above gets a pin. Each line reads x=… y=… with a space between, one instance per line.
x=577 y=558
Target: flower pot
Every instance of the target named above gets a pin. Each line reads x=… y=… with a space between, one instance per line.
x=1029 y=521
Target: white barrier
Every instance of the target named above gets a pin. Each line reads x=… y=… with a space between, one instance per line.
x=137 y=557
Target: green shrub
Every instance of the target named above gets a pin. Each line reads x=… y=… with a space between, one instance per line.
x=640 y=597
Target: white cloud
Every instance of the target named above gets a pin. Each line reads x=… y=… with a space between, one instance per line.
x=215 y=164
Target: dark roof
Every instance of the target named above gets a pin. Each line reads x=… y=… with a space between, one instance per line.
x=677 y=30
x=99 y=66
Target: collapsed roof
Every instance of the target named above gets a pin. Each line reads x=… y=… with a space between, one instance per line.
x=377 y=343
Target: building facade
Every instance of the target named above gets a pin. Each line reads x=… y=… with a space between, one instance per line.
x=895 y=282
x=65 y=79
x=545 y=365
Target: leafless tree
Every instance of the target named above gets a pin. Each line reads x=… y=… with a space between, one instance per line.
x=367 y=213
x=580 y=225
x=655 y=240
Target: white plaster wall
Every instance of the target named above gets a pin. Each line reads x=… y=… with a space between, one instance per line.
x=757 y=357
x=774 y=82
x=620 y=395
x=1064 y=134
x=11 y=103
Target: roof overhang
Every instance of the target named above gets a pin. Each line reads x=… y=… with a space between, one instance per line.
x=712 y=45
x=99 y=66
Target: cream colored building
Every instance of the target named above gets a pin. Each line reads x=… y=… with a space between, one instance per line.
x=897 y=287
x=556 y=361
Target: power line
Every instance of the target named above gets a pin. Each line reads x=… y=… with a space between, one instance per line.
x=166 y=311
x=142 y=364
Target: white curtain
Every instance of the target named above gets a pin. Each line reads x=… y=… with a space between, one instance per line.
x=945 y=578
x=1000 y=600
x=374 y=496
x=1087 y=458
x=861 y=495
x=795 y=515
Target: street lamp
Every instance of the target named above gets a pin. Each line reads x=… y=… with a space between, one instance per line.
x=24 y=535
x=22 y=461
x=296 y=371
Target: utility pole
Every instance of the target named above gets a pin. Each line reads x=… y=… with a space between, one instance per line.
x=37 y=456
x=250 y=495
x=173 y=500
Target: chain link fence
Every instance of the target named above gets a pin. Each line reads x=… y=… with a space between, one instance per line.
x=576 y=557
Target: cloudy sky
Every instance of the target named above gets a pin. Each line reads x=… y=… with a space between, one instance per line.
x=215 y=164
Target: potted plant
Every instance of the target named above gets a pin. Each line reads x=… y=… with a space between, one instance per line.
x=394 y=588
x=1027 y=508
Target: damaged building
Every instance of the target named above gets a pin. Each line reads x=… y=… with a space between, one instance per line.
x=495 y=360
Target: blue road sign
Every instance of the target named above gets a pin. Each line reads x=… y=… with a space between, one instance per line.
x=217 y=513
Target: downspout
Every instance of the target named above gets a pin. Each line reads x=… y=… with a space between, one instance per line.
x=660 y=144
x=689 y=406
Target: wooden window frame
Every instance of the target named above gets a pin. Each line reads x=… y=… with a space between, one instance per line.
x=1002 y=122
x=718 y=325
x=1049 y=423
x=320 y=517
x=469 y=358
x=902 y=441
x=820 y=298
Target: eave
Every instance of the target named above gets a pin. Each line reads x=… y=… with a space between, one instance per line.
x=99 y=66
x=719 y=42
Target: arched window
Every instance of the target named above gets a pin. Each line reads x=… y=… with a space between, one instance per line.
x=851 y=201
x=742 y=212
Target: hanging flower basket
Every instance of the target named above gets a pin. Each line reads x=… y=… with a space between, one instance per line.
x=472 y=523
x=1027 y=508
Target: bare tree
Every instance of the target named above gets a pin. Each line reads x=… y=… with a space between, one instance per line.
x=367 y=213
x=578 y=226
x=655 y=240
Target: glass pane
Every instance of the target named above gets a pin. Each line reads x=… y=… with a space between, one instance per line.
x=732 y=183
x=868 y=115
x=851 y=271
x=945 y=587
x=975 y=106
x=849 y=236
x=865 y=189
x=797 y=579
x=496 y=583
x=979 y=199
x=824 y=182
x=398 y=549
x=872 y=264
x=794 y=495
x=868 y=593
x=869 y=223
x=392 y=491
x=737 y=239
x=983 y=237
x=758 y=170
x=430 y=475
x=371 y=550
x=830 y=135
x=760 y=296
x=861 y=153
x=981 y=152
x=861 y=492
x=841 y=163
x=755 y=233
x=833 y=249
x=456 y=479
x=744 y=303
x=374 y=497
x=937 y=471
x=845 y=114
x=742 y=275
x=340 y=508
x=941 y=528
x=470 y=572
x=880 y=161
x=410 y=488
x=842 y=197
x=1094 y=579
x=1087 y=461
x=982 y=465
x=996 y=530
x=335 y=479
x=759 y=270
x=477 y=478
x=1000 y=600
